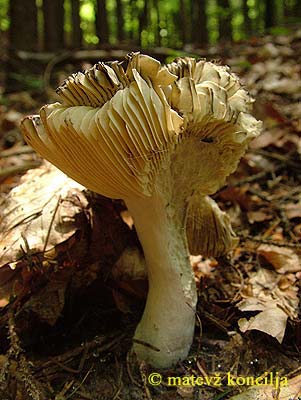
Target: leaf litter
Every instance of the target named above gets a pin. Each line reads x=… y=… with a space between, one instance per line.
x=72 y=274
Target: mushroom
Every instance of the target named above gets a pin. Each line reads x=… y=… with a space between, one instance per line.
x=209 y=231
x=162 y=138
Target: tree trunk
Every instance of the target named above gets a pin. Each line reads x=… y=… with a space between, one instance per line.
x=23 y=32
x=269 y=16
x=225 y=27
x=183 y=25
x=156 y=28
x=102 y=27
x=133 y=34
x=297 y=8
x=76 y=28
x=143 y=19
x=23 y=35
x=247 y=20
x=199 y=19
x=53 y=12
x=120 y=21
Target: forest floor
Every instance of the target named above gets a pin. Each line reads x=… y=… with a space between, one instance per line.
x=68 y=310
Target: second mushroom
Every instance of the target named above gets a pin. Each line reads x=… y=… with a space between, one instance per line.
x=162 y=138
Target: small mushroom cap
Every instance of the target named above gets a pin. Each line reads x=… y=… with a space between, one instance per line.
x=208 y=229
x=115 y=128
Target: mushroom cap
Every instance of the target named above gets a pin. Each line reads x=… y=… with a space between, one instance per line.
x=116 y=127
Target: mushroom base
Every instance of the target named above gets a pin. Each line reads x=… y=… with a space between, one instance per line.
x=165 y=332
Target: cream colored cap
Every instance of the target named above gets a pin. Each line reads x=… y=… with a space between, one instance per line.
x=115 y=126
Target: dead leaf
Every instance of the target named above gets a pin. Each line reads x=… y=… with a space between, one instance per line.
x=293 y=210
x=259 y=215
x=49 y=302
x=275 y=296
x=271 y=321
x=290 y=392
x=37 y=214
x=130 y=265
x=238 y=195
x=266 y=139
x=281 y=258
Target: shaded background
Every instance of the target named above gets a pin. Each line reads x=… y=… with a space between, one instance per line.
x=33 y=31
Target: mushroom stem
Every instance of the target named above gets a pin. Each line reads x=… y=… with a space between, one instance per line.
x=165 y=332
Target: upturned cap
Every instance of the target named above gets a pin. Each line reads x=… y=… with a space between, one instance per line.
x=117 y=124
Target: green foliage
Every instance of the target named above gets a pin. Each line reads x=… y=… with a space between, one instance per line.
x=279 y=30
x=237 y=20
x=212 y=13
x=30 y=82
x=4 y=101
x=68 y=23
x=4 y=20
x=87 y=15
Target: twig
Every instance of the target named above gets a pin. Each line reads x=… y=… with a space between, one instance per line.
x=142 y=369
x=200 y=333
x=293 y=372
x=249 y=179
x=64 y=390
x=51 y=223
x=24 y=375
x=47 y=369
x=16 y=151
x=143 y=343
x=119 y=381
x=216 y=321
x=129 y=371
x=278 y=157
x=6 y=172
x=85 y=395
x=271 y=242
x=241 y=285
x=80 y=385
x=83 y=359
x=27 y=252
x=259 y=194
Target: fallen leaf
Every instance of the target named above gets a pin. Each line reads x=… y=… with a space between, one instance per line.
x=281 y=258
x=290 y=392
x=293 y=210
x=259 y=215
x=36 y=216
x=266 y=139
x=271 y=321
x=238 y=195
x=49 y=302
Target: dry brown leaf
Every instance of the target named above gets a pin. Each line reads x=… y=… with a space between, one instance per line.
x=271 y=321
x=10 y=119
x=290 y=392
x=238 y=195
x=293 y=210
x=130 y=265
x=275 y=296
x=281 y=86
x=27 y=214
x=281 y=258
x=259 y=215
x=36 y=216
x=49 y=302
x=267 y=138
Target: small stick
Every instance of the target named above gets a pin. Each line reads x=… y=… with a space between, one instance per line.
x=16 y=152
x=6 y=172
